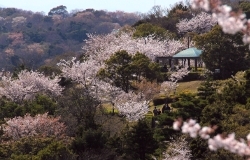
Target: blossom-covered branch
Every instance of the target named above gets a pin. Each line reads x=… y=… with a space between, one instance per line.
x=169 y=86
x=41 y=124
x=27 y=84
x=177 y=149
x=220 y=141
x=132 y=110
x=80 y=72
x=200 y=23
x=230 y=21
x=101 y=47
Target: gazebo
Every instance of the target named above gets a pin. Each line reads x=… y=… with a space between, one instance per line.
x=187 y=54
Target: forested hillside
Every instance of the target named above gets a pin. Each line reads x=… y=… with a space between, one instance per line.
x=34 y=38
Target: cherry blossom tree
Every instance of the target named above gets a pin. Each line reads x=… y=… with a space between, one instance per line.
x=177 y=149
x=219 y=141
x=100 y=47
x=18 y=21
x=27 y=84
x=132 y=110
x=179 y=74
x=147 y=89
x=230 y=21
x=105 y=92
x=40 y=125
x=200 y=23
x=132 y=106
x=85 y=74
x=170 y=86
x=80 y=72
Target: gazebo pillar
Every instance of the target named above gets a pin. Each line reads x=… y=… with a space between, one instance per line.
x=170 y=62
x=195 y=64
x=200 y=62
x=176 y=61
x=188 y=62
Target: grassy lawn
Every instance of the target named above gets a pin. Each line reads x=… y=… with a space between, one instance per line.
x=109 y=108
x=190 y=87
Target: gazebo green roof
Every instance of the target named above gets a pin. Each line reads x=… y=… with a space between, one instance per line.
x=189 y=53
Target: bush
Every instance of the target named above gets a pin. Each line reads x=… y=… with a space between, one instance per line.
x=37 y=148
x=191 y=77
x=91 y=139
x=159 y=100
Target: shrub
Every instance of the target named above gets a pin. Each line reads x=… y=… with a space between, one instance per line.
x=192 y=76
x=37 y=148
x=162 y=100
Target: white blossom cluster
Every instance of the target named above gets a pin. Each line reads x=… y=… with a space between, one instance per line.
x=230 y=24
x=80 y=72
x=219 y=141
x=104 y=91
x=26 y=126
x=4 y=73
x=18 y=20
x=123 y=97
x=200 y=23
x=179 y=74
x=203 y=4
x=27 y=84
x=132 y=110
x=178 y=149
x=132 y=106
x=168 y=86
x=230 y=21
x=101 y=47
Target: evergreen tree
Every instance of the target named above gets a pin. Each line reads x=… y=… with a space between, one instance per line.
x=140 y=141
x=207 y=88
x=59 y=10
x=223 y=51
x=118 y=69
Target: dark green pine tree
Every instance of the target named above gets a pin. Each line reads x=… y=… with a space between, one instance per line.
x=139 y=141
x=206 y=88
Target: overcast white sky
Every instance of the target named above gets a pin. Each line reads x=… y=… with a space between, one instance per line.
x=142 y=6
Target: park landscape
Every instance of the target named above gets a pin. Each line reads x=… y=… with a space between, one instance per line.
x=98 y=102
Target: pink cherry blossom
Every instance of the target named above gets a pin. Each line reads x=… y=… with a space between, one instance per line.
x=177 y=149
x=200 y=23
x=41 y=124
x=27 y=84
x=100 y=47
x=230 y=21
x=219 y=141
x=132 y=110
